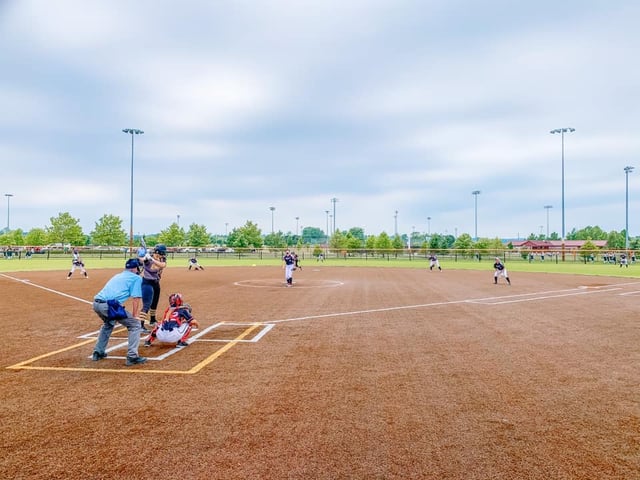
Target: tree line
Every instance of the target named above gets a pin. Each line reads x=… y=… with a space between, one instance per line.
x=108 y=231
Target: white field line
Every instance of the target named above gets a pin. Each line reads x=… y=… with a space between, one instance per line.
x=27 y=282
x=477 y=301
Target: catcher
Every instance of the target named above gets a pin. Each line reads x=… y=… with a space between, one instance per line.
x=176 y=324
x=77 y=262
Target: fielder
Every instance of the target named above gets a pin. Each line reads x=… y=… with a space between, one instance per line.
x=289 y=265
x=500 y=270
x=77 y=262
x=176 y=325
x=434 y=262
x=193 y=263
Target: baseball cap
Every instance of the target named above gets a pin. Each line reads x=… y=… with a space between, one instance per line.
x=132 y=263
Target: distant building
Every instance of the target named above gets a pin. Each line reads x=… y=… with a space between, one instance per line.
x=554 y=245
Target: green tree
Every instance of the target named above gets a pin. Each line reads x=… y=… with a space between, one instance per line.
x=338 y=241
x=353 y=242
x=312 y=235
x=197 y=236
x=615 y=240
x=383 y=243
x=370 y=243
x=36 y=237
x=5 y=239
x=588 y=250
x=15 y=237
x=108 y=231
x=65 y=229
x=464 y=243
x=397 y=243
x=172 y=236
x=275 y=240
x=246 y=236
x=357 y=232
x=588 y=233
x=437 y=243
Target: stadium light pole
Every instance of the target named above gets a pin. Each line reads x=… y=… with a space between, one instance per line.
x=334 y=200
x=133 y=132
x=429 y=226
x=562 y=131
x=272 y=210
x=627 y=170
x=297 y=218
x=327 y=234
x=395 y=224
x=547 y=207
x=475 y=193
x=8 y=195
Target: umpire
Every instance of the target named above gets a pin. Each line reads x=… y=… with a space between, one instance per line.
x=108 y=306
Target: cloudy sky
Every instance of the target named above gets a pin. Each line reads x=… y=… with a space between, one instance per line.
x=389 y=106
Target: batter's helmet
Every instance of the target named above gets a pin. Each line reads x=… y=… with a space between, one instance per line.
x=161 y=249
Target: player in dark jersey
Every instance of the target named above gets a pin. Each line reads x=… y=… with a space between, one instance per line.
x=500 y=270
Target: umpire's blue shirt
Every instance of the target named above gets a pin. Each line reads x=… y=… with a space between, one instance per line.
x=121 y=287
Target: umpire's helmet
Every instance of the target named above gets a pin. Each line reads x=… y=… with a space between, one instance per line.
x=160 y=249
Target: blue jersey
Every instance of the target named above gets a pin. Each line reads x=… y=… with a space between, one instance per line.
x=289 y=259
x=121 y=287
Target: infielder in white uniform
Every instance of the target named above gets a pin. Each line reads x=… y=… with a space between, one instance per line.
x=500 y=270
x=289 y=264
x=77 y=262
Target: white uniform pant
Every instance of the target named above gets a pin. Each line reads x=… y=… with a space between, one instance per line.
x=171 y=336
x=288 y=271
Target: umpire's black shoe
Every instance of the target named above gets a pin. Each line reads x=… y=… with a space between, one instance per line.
x=98 y=356
x=135 y=360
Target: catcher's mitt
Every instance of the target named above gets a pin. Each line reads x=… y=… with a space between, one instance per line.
x=194 y=323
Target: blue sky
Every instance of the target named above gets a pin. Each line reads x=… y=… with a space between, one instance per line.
x=387 y=105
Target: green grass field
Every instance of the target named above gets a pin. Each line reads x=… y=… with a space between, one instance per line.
x=515 y=264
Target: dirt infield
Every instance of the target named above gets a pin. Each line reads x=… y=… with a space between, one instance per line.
x=353 y=373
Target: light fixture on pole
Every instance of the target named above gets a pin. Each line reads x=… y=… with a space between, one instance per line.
x=562 y=131
x=178 y=219
x=133 y=132
x=272 y=210
x=8 y=195
x=429 y=226
x=334 y=200
x=475 y=193
x=547 y=207
x=297 y=218
x=627 y=170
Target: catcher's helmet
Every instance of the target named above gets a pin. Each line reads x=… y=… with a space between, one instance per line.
x=175 y=300
x=161 y=249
